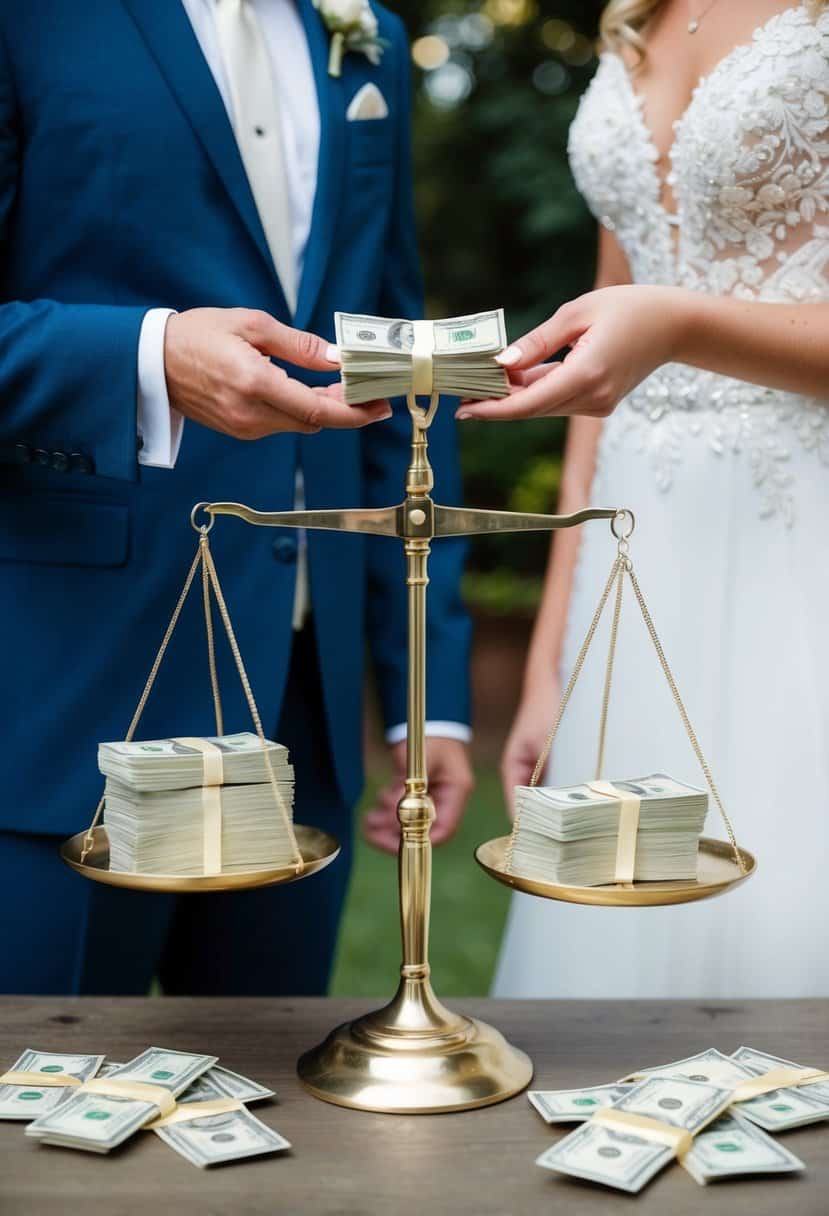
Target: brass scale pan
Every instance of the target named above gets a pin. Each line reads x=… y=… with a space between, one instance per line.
x=717 y=873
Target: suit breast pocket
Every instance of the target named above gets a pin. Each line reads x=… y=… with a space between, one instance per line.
x=371 y=142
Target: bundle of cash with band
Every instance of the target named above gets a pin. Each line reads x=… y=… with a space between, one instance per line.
x=192 y=806
x=390 y=357
x=576 y=835
x=215 y=1137
x=98 y=1119
x=52 y=1077
x=176 y=764
x=728 y=1147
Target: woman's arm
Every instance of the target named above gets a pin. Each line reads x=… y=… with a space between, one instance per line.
x=619 y=335
x=540 y=689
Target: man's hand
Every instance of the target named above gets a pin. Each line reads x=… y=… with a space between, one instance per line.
x=219 y=373
x=450 y=784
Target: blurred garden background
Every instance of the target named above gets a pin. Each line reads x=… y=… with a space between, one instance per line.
x=496 y=85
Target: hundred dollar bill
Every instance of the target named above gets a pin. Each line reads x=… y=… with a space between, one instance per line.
x=376 y=356
x=731 y=1147
x=213 y=1139
x=98 y=1122
x=217 y=1082
x=575 y=1105
x=626 y=1159
x=795 y=1106
x=710 y=1066
x=30 y=1101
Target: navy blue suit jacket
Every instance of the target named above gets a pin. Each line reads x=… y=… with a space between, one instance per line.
x=121 y=188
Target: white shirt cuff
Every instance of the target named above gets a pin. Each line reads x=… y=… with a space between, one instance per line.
x=441 y=730
x=159 y=425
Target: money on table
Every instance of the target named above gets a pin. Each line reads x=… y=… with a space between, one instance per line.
x=29 y=1101
x=376 y=355
x=215 y=1139
x=623 y=1158
x=731 y=1147
x=98 y=1122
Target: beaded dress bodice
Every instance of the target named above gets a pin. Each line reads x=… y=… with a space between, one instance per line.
x=750 y=176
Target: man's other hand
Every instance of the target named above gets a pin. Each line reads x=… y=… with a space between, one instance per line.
x=450 y=784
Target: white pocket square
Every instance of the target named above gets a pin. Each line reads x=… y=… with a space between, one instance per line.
x=367 y=103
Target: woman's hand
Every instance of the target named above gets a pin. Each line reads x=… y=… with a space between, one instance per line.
x=527 y=737
x=618 y=336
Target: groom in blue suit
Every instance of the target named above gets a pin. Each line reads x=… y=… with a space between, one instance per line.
x=170 y=226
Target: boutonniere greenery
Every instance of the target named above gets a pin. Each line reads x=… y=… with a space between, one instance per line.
x=353 y=27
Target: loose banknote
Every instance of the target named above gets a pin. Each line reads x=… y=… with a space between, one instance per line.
x=795 y=1106
x=575 y=1105
x=379 y=355
x=217 y=1082
x=625 y=1158
x=98 y=1122
x=731 y=1147
x=32 y=1100
x=214 y=1139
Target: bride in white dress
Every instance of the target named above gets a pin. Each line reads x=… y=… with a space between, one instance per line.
x=718 y=355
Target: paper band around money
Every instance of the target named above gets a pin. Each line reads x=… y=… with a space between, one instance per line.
x=140 y=1091
x=777 y=1078
x=46 y=1080
x=629 y=808
x=211 y=800
x=186 y=1111
x=423 y=351
x=678 y=1139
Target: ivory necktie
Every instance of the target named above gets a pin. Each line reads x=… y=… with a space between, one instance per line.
x=256 y=123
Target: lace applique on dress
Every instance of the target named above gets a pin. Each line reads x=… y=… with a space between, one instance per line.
x=750 y=175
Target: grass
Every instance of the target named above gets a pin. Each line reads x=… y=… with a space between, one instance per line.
x=468 y=911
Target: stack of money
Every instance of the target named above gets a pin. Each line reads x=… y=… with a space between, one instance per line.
x=31 y=1100
x=98 y=1122
x=376 y=356
x=697 y=1094
x=155 y=806
x=570 y=836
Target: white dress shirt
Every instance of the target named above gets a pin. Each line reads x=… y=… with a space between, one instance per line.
x=159 y=425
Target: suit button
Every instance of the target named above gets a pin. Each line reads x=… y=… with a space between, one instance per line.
x=43 y=457
x=22 y=453
x=284 y=549
x=79 y=462
x=60 y=461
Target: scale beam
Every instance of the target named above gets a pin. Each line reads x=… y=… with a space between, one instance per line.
x=418 y=517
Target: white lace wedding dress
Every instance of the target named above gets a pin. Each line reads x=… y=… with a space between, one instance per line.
x=730 y=486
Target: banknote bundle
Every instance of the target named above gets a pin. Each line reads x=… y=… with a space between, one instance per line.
x=704 y=1096
x=85 y=1103
x=388 y=357
x=573 y=835
x=167 y=811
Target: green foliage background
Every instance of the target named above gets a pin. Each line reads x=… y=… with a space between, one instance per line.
x=501 y=223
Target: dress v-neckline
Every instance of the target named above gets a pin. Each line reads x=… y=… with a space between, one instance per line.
x=639 y=100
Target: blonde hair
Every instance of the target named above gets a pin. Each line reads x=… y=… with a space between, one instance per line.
x=624 y=20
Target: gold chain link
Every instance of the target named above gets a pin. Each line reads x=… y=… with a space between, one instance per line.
x=211 y=647
x=254 y=711
x=611 y=657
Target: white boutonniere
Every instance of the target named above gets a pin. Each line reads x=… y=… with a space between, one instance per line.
x=353 y=27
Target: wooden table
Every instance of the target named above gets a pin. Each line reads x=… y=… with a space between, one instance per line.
x=347 y=1163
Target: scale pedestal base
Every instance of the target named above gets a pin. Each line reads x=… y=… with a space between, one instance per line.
x=414 y=1057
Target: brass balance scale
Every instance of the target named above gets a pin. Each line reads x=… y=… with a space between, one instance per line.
x=415 y=1056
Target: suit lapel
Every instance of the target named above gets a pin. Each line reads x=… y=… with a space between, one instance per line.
x=165 y=27
x=331 y=163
